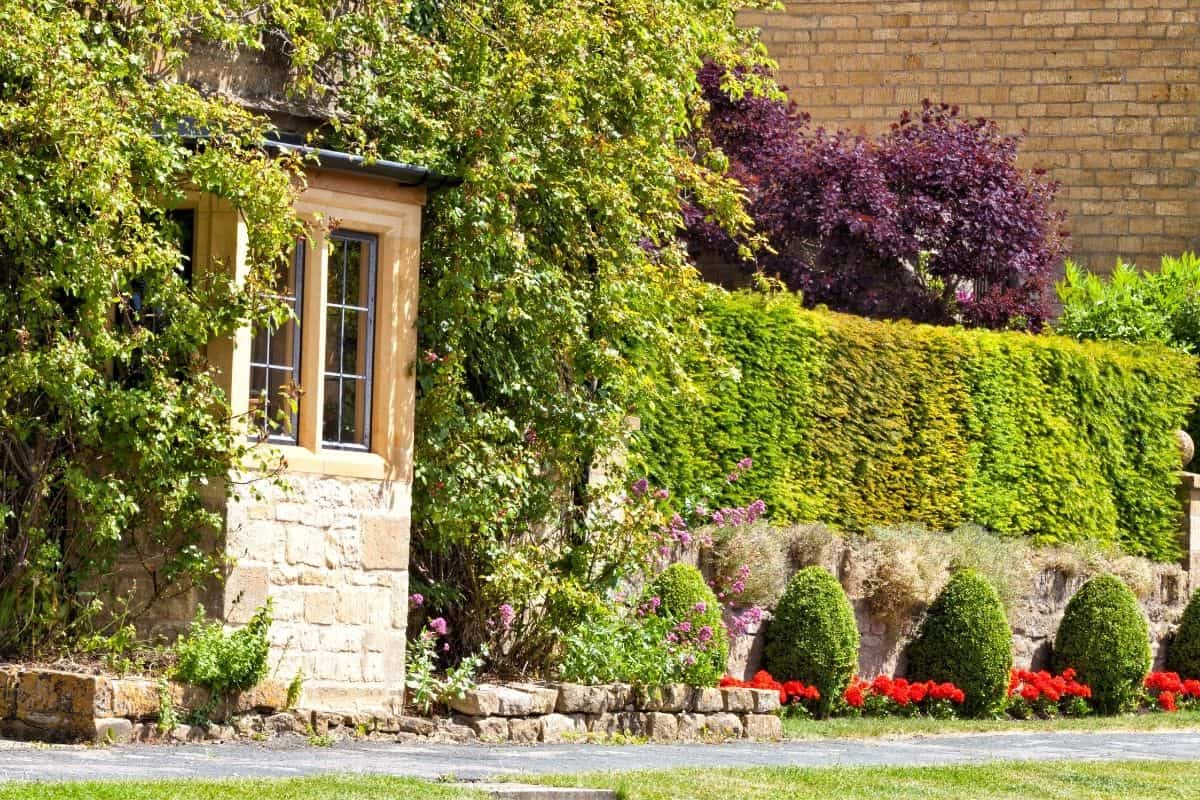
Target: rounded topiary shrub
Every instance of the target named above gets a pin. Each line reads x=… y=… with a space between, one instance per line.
x=1104 y=637
x=965 y=639
x=1183 y=656
x=812 y=637
x=689 y=605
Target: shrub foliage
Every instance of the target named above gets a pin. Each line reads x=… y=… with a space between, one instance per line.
x=1105 y=638
x=689 y=606
x=1183 y=656
x=858 y=422
x=965 y=640
x=813 y=637
x=931 y=221
x=224 y=662
x=112 y=427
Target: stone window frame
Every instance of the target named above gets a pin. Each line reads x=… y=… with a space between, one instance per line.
x=363 y=204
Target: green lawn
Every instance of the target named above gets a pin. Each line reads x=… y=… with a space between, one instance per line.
x=1126 y=780
x=872 y=727
x=337 y=787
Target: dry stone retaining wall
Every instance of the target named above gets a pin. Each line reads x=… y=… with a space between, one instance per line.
x=1034 y=622
x=53 y=705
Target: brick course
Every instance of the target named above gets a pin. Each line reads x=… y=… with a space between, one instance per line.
x=1108 y=92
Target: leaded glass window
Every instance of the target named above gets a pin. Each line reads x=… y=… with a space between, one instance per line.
x=275 y=360
x=349 y=341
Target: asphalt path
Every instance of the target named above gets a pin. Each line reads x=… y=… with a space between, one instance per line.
x=293 y=756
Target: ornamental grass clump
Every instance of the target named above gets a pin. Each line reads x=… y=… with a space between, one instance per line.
x=965 y=640
x=1183 y=656
x=697 y=636
x=1105 y=638
x=813 y=637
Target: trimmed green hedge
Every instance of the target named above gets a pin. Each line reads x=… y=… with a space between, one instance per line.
x=813 y=637
x=858 y=422
x=965 y=639
x=1104 y=637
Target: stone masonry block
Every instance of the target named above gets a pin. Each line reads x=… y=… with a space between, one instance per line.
x=61 y=703
x=738 y=700
x=724 y=726
x=765 y=700
x=709 y=700
x=319 y=607
x=560 y=728
x=9 y=680
x=762 y=726
x=662 y=727
x=246 y=589
x=576 y=699
x=385 y=542
x=524 y=730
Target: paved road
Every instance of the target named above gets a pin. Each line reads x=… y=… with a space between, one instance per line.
x=475 y=762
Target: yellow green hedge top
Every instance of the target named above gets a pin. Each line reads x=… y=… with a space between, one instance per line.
x=858 y=422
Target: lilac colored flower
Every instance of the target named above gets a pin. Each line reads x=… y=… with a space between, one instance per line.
x=507 y=615
x=700 y=607
x=689 y=660
x=683 y=537
x=438 y=625
x=662 y=494
x=416 y=599
x=745 y=464
x=718 y=518
x=655 y=602
x=684 y=627
x=705 y=633
x=640 y=487
x=446 y=647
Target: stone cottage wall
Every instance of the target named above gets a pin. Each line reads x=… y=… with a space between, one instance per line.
x=332 y=553
x=1108 y=90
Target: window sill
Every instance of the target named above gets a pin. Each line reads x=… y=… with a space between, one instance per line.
x=334 y=463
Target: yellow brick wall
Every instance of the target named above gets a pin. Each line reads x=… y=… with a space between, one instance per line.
x=1108 y=92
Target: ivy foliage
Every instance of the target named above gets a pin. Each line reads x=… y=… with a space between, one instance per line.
x=544 y=277
x=965 y=639
x=813 y=637
x=112 y=427
x=858 y=423
x=541 y=277
x=1104 y=637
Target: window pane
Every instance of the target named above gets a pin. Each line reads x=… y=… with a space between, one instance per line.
x=275 y=358
x=330 y=421
x=349 y=324
x=352 y=341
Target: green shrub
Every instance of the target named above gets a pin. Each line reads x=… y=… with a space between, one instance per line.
x=857 y=422
x=1183 y=656
x=813 y=637
x=965 y=639
x=224 y=662
x=1105 y=638
x=685 y=599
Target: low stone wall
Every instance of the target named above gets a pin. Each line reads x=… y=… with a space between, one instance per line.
x=555 y=712
x=57 y=706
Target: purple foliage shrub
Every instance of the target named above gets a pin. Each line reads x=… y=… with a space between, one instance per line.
x=931 y=221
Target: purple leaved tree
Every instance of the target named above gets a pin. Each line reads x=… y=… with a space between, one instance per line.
x=931 y=221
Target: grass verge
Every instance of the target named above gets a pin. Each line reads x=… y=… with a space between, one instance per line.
x=1127 y=780
x=879 y=727
x=327 y=787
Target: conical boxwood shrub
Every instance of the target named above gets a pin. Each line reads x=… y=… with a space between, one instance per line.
x=813 y=637
x=1183 y=656
x=681 y=589
x=965 y=639
x=1105 y=638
